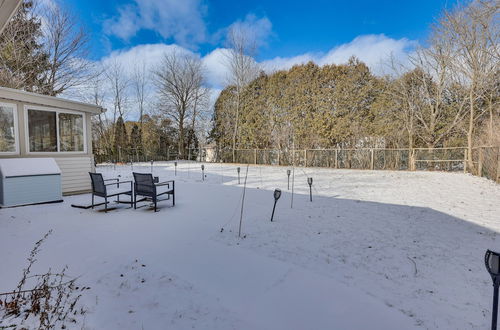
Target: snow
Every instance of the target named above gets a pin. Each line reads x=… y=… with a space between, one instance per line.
x=10 y=167
x=374 y=250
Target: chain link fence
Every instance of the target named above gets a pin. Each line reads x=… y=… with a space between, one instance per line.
x=485 y=161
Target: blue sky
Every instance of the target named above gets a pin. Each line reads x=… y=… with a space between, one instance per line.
x=296 y=26
x=287 y=32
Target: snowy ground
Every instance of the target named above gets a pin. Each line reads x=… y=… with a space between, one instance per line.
x=374 y=250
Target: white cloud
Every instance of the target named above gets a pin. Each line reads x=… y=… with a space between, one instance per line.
x=216 y=68
x=254 y=29
x=149 y=54
x=373 y=50
x=180 y=20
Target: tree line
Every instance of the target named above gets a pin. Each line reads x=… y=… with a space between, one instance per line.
x=446 y=95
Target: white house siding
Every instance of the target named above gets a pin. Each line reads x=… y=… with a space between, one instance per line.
x=75 y=174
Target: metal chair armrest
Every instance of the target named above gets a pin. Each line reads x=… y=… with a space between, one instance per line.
x=164 y=183
x=119 y=182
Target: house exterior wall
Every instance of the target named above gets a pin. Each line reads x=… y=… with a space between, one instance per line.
x=74 y=165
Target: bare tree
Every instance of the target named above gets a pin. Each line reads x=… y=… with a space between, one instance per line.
x=97 y=95
x=140 y=86
x=66 y=43
x=242 y=70
x=474 y=31
x=179 y=79
x=118 y=86
x=437 y=109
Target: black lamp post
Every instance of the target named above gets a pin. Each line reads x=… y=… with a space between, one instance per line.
x=288 y=172
x=492 y=262
x=238 y=170
x=277 y=195
x=310 y=183
x=175 y=168
x=203 y=172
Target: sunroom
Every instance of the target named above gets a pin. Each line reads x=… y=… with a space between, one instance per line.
x=40 y=126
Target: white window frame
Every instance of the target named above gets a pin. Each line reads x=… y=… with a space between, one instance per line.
x=16 y=130
x=57 y=112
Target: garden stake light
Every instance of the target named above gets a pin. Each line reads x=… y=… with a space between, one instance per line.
x=151 y=166
x=288 y=172
x=203 y=172
x=175 y=168
x=238 y=170
x=310 y=183
x=492 y=262
x=277 y=195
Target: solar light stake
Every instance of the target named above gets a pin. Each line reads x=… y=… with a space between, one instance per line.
x=277 y=195
x=203 y=172
x=288 y=172
x=492 y=262
x=175 y=168
x=310 y=183
x=238 y=170
x=151 y=166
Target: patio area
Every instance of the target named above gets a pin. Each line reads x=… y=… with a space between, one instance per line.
x=353 y=258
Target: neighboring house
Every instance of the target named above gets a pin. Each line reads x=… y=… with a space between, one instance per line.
x=34 y=125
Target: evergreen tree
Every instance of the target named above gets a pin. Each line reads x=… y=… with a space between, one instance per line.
x=121 y=140
x=22 y=57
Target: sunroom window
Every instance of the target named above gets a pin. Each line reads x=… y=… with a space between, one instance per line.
x=7 y=128
x=70 y=132
x=54 y=131
x=42 y=131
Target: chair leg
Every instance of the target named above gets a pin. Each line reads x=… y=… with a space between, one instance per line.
x=92 y=201
x=105 y=204
x=173 y=198
x=135 y=201
x=155 y=203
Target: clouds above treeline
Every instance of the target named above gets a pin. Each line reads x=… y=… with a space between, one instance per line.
x=182 y=27
x=374 y=50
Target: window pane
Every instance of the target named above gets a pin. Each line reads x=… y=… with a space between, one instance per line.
x=42 y=131
x=70 y=132
x=7 y=133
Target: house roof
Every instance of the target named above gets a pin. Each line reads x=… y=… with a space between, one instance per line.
x=49 y=101
x=7 y=10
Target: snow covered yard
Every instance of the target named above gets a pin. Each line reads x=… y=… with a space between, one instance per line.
x=374 y=250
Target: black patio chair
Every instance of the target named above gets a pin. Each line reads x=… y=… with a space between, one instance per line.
x=145 y=186
x=100 y=188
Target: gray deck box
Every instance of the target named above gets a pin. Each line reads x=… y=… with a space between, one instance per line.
x=29 y=181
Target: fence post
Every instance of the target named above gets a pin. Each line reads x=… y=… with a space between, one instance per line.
x=371 y=159
x=480 y=163
x=465 y=160
x=336 y=162
x=498 y=165
x=255 y=156
x=413 y=161
x=279 y=153
x=305 y=158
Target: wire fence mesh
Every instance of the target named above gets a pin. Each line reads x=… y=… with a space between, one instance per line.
x=484 y=161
